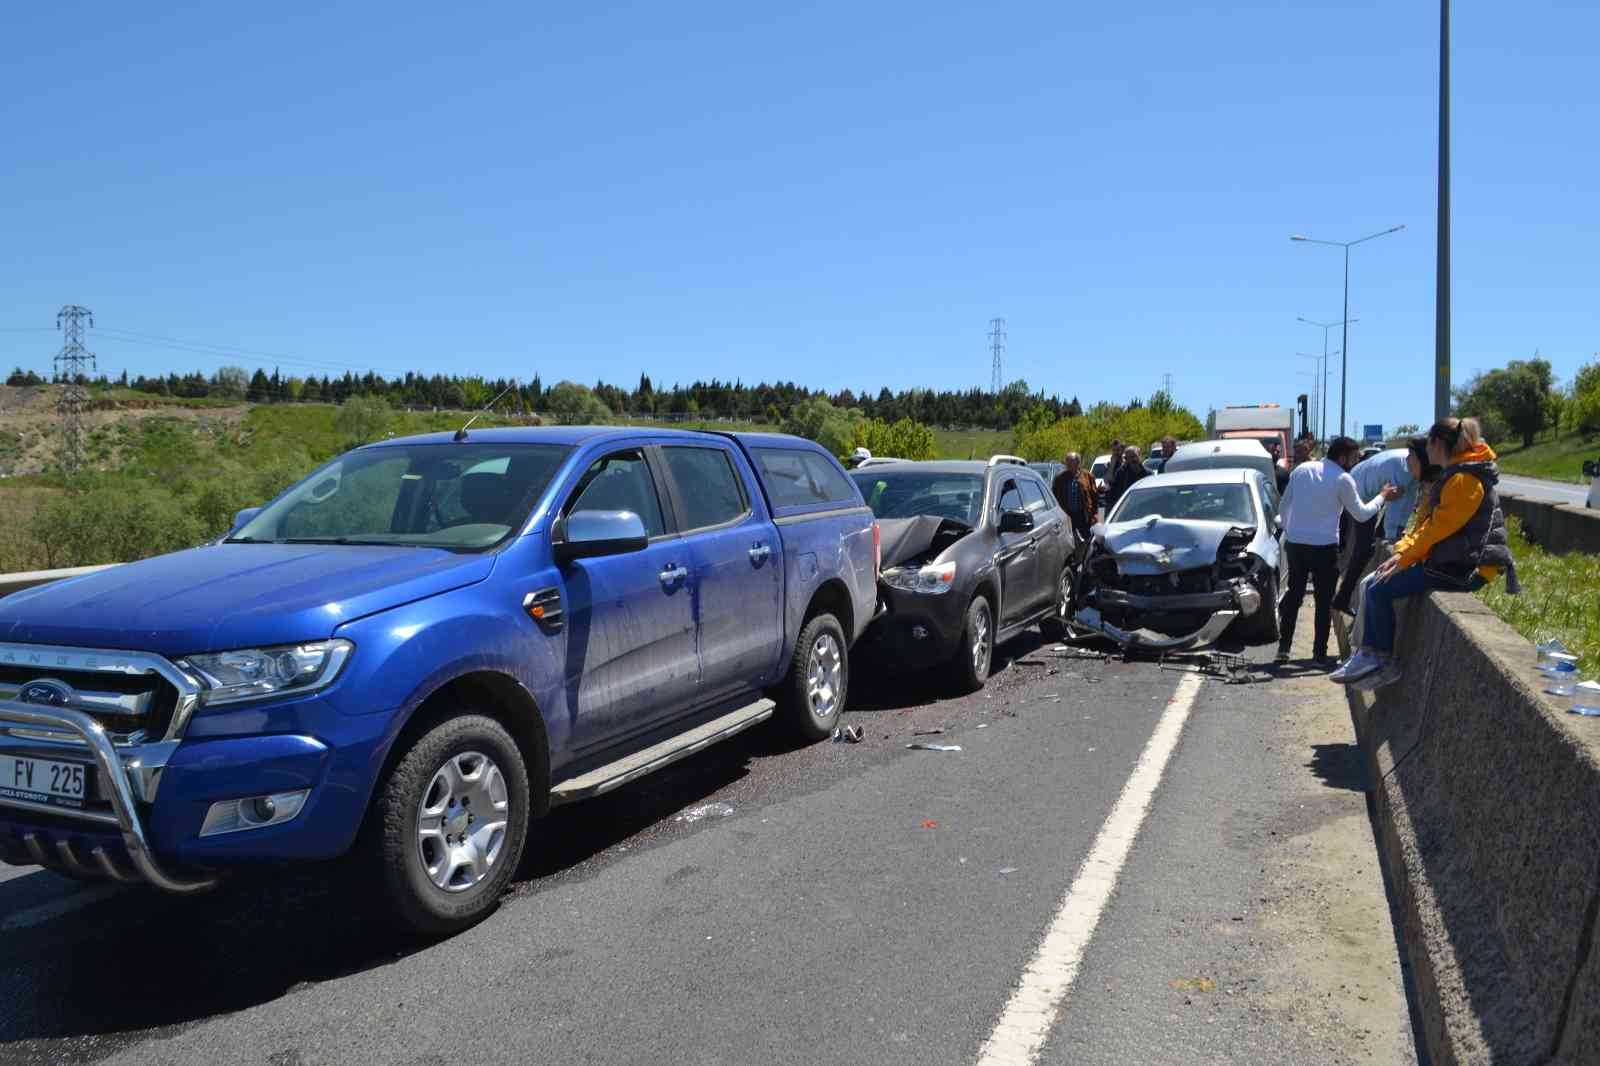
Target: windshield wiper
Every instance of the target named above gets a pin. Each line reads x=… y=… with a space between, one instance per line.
x=347 y=540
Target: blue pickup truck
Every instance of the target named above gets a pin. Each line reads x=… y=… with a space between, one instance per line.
x=423 y=646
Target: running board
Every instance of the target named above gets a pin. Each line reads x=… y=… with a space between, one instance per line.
x=613 y=775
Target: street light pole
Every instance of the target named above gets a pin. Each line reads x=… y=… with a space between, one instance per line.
x=1344 y=354
x=1441 y=327
x=1322 y=423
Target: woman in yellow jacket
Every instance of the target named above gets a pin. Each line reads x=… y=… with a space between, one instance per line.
x=1458 y=545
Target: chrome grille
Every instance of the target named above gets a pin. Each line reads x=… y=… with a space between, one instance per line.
x=134 y=696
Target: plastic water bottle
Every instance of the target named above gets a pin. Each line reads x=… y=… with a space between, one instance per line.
x=1586 y=699
x=1545 y=648
x=1560 y=664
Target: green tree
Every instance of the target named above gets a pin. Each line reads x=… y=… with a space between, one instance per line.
x=1517 y=396
x=572 y=404
x=230 y=382
x=1581 y=412
x=903 y=439
x=363 y=419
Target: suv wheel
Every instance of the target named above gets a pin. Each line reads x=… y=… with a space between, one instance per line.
x=812 y=697
x=1055 y=627
x=449 y=825
x=975 y=653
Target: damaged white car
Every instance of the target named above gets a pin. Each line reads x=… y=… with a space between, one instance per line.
x=1183 y=558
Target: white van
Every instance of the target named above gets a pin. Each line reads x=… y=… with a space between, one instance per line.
x=1223 y=454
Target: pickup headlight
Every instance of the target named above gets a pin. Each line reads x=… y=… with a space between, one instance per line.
x=929 y=579
x=256 y=673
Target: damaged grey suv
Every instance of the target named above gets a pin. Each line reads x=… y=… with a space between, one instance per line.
x=1182 y=558
x=973 y=553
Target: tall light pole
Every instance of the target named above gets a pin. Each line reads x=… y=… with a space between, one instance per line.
x=1325 y=327
x=1344 y=351
x=1441 y=320
x=1319 y=394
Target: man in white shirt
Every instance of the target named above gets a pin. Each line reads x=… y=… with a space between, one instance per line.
x=1317 y=493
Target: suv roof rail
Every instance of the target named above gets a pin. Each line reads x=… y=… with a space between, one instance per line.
x=1014 y=460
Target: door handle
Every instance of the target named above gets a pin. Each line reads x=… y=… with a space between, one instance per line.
x=673 y=574
x=760 y=553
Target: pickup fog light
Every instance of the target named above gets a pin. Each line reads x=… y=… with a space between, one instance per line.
x=933 y=580
x=252 y=812
x=255 y=673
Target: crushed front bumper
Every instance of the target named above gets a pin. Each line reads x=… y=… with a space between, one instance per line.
x=127 y=774
x=1242 y=599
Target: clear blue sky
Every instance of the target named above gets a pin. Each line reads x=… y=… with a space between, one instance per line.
x=838 y=194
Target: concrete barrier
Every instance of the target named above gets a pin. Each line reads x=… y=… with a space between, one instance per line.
x=1558 y=528
x=1487 y=798
x=10 y=583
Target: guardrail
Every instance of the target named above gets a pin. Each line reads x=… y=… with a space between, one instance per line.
x=1484 y=793
x=10 y=583
x=1555 y=527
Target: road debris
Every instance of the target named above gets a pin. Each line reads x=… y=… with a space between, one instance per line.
x=1193 y=984
x=706 y=810
x=934 y=747
x=927 y=732
x=850 y=734
x=929 y=823
x=1007 y=870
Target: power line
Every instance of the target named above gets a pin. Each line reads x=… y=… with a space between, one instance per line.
x=71 y=362
x=997 y=349
x=226 y=349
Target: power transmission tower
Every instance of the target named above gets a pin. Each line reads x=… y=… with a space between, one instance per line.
x=1166 y=384
x=71 y=363
x=997 y=348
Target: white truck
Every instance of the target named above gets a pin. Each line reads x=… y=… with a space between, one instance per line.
x=1269 y=423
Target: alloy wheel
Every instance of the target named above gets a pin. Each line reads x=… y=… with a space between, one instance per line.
x=825 y=677
x=461 y=821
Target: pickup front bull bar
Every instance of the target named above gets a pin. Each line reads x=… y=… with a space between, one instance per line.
x=124 y=813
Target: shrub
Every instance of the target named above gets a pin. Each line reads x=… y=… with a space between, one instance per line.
x=904 y=439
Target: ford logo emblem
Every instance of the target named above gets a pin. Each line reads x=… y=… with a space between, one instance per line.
x=47 y=691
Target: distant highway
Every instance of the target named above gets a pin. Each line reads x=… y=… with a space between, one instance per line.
x=1537 y=488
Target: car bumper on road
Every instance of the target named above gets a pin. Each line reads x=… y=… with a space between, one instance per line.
x=1240 y=600
x=142 y=818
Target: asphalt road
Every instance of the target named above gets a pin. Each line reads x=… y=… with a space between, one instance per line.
x=1132 y=864
x=1538 y=488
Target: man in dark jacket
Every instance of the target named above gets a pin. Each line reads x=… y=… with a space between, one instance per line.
x=1130 y=471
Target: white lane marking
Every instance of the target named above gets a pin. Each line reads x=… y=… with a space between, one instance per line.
x=44 y=912
x=1031 y=1012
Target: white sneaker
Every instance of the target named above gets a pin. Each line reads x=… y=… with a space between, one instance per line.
x=1359 y=665
x=1388 y=675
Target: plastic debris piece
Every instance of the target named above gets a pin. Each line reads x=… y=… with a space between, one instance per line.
x=934 y=747
x=926 y=732
x=850 y=734
x=1008 y=869
x=983 y=725
x=706 y=810
x=929 y=823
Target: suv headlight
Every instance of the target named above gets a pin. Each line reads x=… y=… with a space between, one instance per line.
x=256 y=673
x=930 y=579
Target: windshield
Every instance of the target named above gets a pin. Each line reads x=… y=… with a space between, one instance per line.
x=1204 y=503
x=907 y=494
x=460 y=496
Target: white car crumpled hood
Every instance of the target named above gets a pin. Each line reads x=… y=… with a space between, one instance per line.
x=1157 y=545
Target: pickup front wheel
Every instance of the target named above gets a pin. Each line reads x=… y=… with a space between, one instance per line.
x=449 y=825
x=812 y=697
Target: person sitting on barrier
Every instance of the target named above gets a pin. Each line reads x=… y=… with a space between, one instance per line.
x=1460 y=546
x=1392 y=466
x=1423 y=474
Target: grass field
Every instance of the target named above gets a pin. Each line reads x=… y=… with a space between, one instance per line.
x=971 y=443
x=1560 y=459
x=1557 y=600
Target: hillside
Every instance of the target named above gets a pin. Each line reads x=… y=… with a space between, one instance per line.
x=1560 y=459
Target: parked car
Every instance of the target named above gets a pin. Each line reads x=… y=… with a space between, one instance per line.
x=1154 y=464
x=1183 y=557
x=973 y=554
x=1225 y=455
x=1047 y=471
x=422 y=647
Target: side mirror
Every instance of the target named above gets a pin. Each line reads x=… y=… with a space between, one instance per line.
x=1015 y=521
x=1591 y=468
x=244 y=516
x=589 y=534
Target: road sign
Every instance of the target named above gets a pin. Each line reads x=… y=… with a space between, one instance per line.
x=1372 y=433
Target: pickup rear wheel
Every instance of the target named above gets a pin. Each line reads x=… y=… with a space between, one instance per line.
x=970 y=667
x=813 y=695
x=449 y=825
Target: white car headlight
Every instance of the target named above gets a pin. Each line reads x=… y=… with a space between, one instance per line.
x=930 y=579
x=256 y=673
